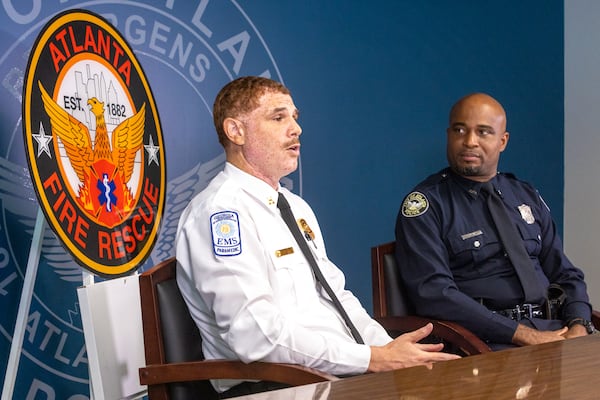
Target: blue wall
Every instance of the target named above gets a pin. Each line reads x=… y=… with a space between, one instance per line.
x=373 y=81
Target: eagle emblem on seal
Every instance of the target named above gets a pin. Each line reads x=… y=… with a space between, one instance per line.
x=105 y=167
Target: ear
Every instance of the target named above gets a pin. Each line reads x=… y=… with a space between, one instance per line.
x=504 y=141
x=235 y=130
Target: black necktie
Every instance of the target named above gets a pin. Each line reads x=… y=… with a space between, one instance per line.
x=288 y=217
x=514 y=247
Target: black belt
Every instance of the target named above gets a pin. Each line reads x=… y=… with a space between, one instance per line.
x=523 y=311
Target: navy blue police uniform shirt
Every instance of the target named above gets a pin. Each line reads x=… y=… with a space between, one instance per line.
x=452 y=263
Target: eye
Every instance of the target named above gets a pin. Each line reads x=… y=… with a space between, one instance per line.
x=485 y=131
x=459 y=130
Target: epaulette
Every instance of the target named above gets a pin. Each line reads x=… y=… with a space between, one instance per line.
x=513 y=177
x=509 y=175
x=436 y=178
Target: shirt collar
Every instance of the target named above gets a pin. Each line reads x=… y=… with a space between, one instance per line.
x=254 y=186
x=469 y=186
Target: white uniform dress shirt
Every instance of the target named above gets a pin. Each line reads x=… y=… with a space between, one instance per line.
x=252 y=292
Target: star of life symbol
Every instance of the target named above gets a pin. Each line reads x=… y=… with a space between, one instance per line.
x=107 y=198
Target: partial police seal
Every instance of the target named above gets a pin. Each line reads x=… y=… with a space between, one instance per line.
x=94 y=143
x=415 y=204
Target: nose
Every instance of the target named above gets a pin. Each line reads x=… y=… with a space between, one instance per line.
x=470 y=139
x=296 y=128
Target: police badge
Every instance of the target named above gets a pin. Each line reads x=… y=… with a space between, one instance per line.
x=526 y=213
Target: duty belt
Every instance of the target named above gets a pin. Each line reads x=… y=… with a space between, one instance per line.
x=523 y=311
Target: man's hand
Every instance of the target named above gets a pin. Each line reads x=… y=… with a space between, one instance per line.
x=525 y=335
x=576 y=330
x=404 y=351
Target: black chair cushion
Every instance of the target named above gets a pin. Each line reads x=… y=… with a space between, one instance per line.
x=397 y=303
x=181 y=339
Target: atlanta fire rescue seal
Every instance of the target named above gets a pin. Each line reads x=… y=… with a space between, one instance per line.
x=94 y=143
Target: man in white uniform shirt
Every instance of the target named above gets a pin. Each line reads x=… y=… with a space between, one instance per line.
x=247 y=283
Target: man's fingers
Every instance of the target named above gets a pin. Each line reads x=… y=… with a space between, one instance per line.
x=420 y=333
x=431 y=346
x=444 y=356
x=562 y=331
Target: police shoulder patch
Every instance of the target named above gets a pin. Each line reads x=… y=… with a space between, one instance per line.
x=225 y=228
x=415 y=204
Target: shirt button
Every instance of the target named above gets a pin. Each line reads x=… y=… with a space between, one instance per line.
x=476 y=243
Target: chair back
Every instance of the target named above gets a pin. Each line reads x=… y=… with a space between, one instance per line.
x=170 y=333
x=394 y=311
x=389 y=298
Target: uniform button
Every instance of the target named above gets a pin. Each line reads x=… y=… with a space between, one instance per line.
x=476 y=243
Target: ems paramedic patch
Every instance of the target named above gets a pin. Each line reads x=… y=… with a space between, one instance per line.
x=94 y=143
x=225 y=227
x=415 y=204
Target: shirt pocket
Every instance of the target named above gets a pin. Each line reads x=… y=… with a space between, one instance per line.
x=532 y=237
x=470 y=251
x=292 y=277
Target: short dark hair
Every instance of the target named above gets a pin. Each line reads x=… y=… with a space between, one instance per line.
x=239 y=97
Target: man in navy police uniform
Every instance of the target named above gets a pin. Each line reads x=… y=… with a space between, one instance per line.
x=451 y=260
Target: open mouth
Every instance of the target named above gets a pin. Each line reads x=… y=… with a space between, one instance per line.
x=294 y=146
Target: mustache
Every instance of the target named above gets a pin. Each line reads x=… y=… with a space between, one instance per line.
x=291 y=143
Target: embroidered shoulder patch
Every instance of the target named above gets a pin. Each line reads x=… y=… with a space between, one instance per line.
x=415 y=204
x=225 y=227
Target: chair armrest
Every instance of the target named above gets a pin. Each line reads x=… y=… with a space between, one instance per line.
x=224 y=369
x=450 y=332
x=596 y=319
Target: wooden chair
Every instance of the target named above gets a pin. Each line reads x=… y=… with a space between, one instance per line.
x=175 y=366
x=596 y=319
x=395 y=313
